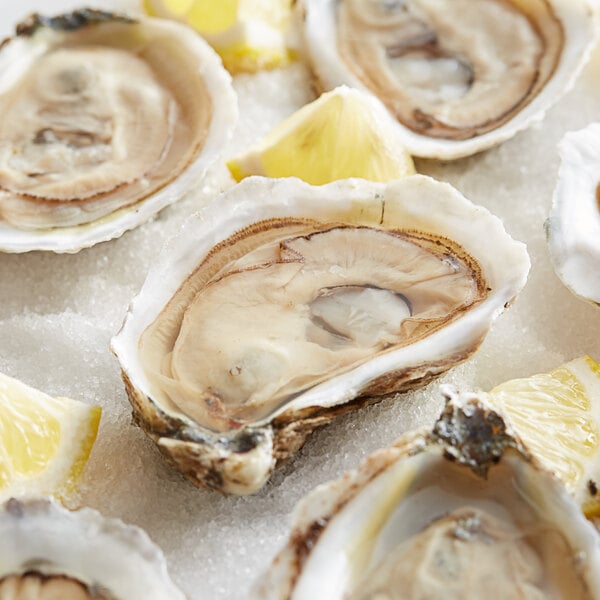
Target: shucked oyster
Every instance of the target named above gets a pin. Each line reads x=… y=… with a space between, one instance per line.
x=459 y=512
x=49 y=553
x=285 y=305
x=574 y=224
x=459 y=76
x=104 y=120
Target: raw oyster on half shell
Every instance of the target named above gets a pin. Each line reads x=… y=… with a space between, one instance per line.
x=284 y=305
x=461 y=511
x=104 y=120
x=573 y=227
x=49 y=553
x=458 y=76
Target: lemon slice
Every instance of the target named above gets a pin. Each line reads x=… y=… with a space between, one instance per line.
x=341 y=134
x=249 y=35
x=557 y=415
x=44 y=441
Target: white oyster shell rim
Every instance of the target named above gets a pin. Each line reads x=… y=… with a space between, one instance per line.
x=324 y=524
x=20 y=51
x=581 y=23
x=573 y=226
x=38 y=534
x=438 y=209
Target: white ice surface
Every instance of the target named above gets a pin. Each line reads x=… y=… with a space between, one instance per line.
x=58 y=313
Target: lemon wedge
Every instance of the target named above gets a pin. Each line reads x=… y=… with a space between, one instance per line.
x=557 y=415
x=249 y=35
x=342 y=134
x=44 y=441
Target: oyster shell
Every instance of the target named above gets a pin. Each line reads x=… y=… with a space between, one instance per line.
x=573 y=227
x=458 y=76
x=98 y=130
x=461 y=511
x=49 y=552
x=284 y=305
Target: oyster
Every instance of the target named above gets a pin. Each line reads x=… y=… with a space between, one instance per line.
x=104 y=120
x=284 y=305
x=458 y=76
x=462 y=511
x=573 y=228
x=48 y=552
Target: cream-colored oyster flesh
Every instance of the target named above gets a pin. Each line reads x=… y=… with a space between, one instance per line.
x=50 y=553
x=462 y=511
x=97 y=123
x=286 y=305
x=459 y=76
x=573 y=227
x=301 y=308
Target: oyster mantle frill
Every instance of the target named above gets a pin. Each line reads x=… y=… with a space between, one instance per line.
x=105 y=119
x=459 y=511
x=284 y=305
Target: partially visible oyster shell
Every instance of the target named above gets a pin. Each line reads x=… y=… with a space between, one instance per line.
x=284 y=305
x=459 y=76
x=47 y=553
x=573 y=227
x=104 y=120
x=461 y=511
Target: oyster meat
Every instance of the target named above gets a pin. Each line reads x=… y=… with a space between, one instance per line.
x=105 y=120
x=458 y=76
x=573 y=227
x=286 y=302
x=49 y=553
x=462 y=511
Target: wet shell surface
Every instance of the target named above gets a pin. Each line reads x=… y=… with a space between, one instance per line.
x=460 y=511
x=283 y=305
x=104 y=121
x=48 y=552
x=573 y=227
x=452 y=91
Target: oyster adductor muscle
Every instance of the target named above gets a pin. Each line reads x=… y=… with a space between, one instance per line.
x=289 y=301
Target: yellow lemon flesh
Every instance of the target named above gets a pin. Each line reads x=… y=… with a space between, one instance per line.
x=44 y=441
x=339 y=135
x=249 y=35
x=557 y=415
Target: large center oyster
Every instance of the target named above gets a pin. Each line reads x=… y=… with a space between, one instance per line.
x=458 y=76
x=284 y=305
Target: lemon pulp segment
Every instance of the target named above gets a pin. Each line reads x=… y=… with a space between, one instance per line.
x=44 y=441
x=335 y=137
x=557 y=415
